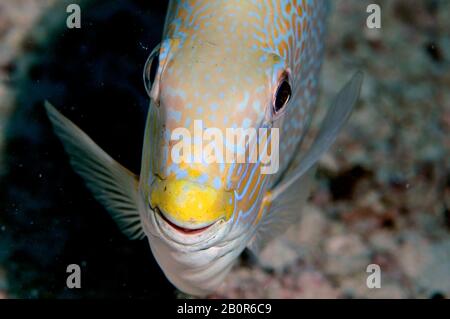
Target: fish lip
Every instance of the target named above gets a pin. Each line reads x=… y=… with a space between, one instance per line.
x=182 y=229
x=192 y=241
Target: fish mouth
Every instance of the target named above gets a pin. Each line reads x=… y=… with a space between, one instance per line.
x=179 y=228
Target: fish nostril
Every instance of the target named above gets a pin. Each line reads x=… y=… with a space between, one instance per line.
x=159 y=177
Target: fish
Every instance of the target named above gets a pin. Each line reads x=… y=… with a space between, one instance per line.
x=252 y=64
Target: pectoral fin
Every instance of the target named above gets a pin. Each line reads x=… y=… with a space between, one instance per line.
x=335 y=119
x=111 y=184
x=286 y=199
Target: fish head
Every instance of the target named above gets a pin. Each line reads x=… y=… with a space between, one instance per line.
x=216 y=116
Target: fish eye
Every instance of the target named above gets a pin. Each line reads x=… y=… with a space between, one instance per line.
x=150 y=69
x=282 y=95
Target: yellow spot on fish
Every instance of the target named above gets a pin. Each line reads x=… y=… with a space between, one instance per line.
x=191 y=204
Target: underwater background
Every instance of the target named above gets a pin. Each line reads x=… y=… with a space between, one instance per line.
x=382 y=193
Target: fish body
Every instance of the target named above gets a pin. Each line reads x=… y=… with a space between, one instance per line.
x=221 y=64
